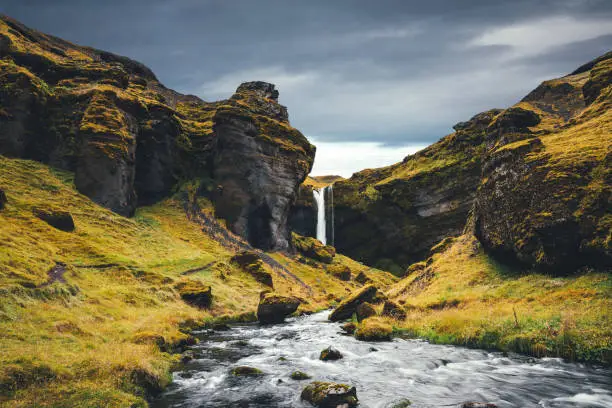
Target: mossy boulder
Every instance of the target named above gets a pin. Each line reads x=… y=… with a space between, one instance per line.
x=339 y=271
x=364 y=311
x=393 y=310
x=347 y=307
x=362 y=278
x=61 y=220
x=349 y=327
x=252 y=263
x=330 y=395
x=246 y=371
x=3 y=199
x=195 y=293
x=273 y=308
x=330 y=354
x=374 y=330
x=313 y=248
x=299 y=376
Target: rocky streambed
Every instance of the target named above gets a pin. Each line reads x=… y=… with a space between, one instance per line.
x=385 y=374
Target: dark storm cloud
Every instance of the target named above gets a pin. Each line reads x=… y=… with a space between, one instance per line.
x=392 y=71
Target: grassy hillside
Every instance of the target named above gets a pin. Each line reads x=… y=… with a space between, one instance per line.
x=464 y=297
x=103 y=331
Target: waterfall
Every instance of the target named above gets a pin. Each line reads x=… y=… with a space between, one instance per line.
x=319 y=197
x=331 y=207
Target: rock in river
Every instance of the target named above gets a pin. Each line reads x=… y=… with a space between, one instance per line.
x=330 y=395
x=274 y=308
x=330 y=354
x=347 y=307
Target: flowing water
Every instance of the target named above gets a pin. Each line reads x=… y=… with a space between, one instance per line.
x=319 y=197
x=384 y=373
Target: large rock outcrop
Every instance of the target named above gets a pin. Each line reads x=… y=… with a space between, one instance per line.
x=259 y=163
x=546 y=189
x=129 y=140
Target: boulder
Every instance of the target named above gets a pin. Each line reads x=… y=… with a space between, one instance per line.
x=362 y=278
x=252 y=263
x=330 y=395
x=61 y=220
x=3 y=199
x=393 y=310
x=274 y=308
x=246 y=371
x=349 y=328
x=364 y=311
x=341 y=272
x=313 y=248
x=330 y=354
x=299 y=376
x=374 y=330
x=347 y=307
x=195 y=293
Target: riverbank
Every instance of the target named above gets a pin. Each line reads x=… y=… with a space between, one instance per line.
x=461 y=296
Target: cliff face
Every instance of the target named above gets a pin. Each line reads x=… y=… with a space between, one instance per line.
x=544 y=198
x=130 y=141
x=259 y=163
x=410 y=206
x=533 y=181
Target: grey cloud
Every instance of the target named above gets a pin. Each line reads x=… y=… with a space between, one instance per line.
x=391 y=71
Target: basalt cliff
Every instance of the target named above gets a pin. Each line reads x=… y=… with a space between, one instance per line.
x=131 y=141
x=532 y=182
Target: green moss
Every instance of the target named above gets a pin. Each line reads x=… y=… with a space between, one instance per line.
x=245 y=371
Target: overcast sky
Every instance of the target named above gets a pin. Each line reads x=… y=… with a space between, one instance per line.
x=368 y=81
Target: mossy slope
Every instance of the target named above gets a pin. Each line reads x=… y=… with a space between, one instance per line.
x=102 y=331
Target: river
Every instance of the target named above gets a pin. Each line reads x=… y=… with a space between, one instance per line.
x=384 y=373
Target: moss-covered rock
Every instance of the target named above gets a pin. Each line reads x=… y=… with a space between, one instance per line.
x=195 y=293
x=392 y=309
x=313 y=248
x=347 y=307
x=362 y=278
x=252 y=263
x=364 y=311
x=246 y=371
x=330 y=354
x=374 y=330
x=349 y=327
x=3 y=199
x=299 y=376
x=61 y=220
x=330 y=395
x=339 y=271
x=273 y=308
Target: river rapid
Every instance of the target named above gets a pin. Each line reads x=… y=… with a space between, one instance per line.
x=384 y=373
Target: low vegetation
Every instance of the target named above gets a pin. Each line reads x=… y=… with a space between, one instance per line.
x=464 y=297
x=92 y=317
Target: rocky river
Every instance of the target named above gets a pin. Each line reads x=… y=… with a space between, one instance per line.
x=385 y=374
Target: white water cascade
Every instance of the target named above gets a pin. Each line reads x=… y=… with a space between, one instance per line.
x=319 y=197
